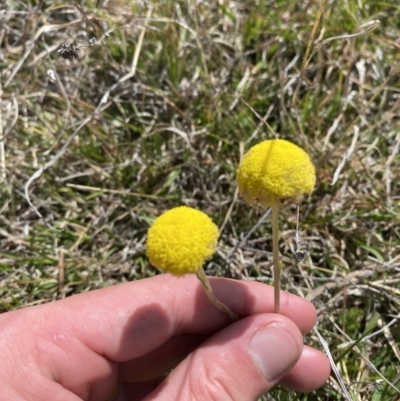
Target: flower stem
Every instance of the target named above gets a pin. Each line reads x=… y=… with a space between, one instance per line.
x=275 y=253
x=207 y=287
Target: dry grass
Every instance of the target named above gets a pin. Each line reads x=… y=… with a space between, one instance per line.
x=158 y=115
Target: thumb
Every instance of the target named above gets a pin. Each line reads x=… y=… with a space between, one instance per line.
x=241 y=362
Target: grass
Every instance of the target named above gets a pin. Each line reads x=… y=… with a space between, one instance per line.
x=200 y=79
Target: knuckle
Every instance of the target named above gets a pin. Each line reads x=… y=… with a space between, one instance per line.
x=211 y=383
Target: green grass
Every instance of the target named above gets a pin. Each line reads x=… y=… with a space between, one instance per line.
x=204 y=74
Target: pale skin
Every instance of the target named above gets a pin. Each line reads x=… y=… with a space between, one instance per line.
x=120 y=343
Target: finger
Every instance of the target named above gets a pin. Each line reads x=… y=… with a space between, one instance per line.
x=127 y=321
x=310 y=372
x=241 y=362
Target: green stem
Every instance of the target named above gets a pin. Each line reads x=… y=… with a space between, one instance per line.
x=207 y=287
x=275 y=253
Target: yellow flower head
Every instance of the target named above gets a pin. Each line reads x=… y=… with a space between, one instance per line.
x=180 y=240
x=274 y=170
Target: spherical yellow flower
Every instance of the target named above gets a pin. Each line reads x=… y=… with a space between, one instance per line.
x=275 y=170
x=180 y=240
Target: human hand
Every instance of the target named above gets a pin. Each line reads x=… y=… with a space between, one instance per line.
x=120 y=343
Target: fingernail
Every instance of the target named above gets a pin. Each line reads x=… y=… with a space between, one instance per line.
x=275 y=350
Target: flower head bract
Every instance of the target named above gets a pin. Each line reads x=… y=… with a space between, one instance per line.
x=180 y=240
x=274 y=170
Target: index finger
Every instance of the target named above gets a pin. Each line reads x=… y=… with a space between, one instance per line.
x=129 y=320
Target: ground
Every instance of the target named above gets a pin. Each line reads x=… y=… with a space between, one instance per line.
x=128 y=109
